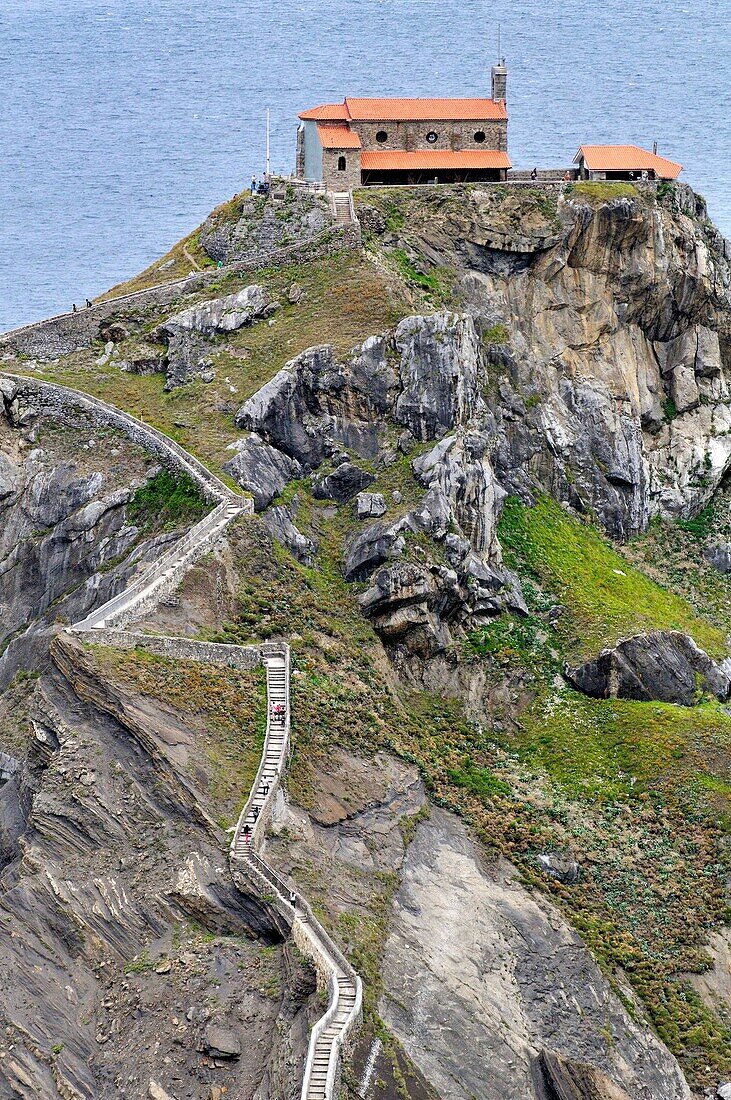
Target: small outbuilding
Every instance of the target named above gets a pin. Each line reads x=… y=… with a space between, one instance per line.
x=623 y=162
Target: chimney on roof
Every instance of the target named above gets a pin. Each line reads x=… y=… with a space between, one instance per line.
x=500 y=80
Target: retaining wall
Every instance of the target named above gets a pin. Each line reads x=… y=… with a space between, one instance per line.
x=244 y=658
x=60 y=335
x=159 y=581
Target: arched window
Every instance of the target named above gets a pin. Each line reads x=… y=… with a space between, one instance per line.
x=479 y=136
x=341 y=164
x=381 y=136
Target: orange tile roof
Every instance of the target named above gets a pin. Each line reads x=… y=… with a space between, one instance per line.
x=335 y=112
x=426 y=159
x=627 y=158
x=337 y=137
x=403 y=110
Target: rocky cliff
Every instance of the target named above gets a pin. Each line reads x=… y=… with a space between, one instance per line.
x=489 y=460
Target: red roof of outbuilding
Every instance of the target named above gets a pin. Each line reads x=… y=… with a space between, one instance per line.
x=334 y=112
x=426 y=159
x=627 y=158
x=333 y=136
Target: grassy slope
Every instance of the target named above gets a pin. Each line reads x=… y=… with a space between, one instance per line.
x=345 y=300
x=638 y=792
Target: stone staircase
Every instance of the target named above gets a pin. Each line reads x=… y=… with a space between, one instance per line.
x=342 y=204
x=157 y=582
x=324 y=1054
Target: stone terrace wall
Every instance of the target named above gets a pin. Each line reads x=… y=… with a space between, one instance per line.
x=244 y=658
x=63 y=334
x=59 y=402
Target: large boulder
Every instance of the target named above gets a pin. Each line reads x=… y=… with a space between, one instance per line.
x=261 y=470
x=719 y=556
x=345 y=482
x=663 y=665
x=280 y=525
x=567 y=1079
x=371 y=548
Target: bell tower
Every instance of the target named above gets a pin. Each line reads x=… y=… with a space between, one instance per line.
x=500 y=80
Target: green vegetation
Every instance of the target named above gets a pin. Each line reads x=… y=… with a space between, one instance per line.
x=166 y=502
x=605 y=595
x=437 y=282
x=140 y=964
x=700 y=526
x=497 y=335
x=639 y=792
x=601 y=191
x=669 y=409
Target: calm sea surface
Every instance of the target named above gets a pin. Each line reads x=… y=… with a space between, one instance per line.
x=123 y=122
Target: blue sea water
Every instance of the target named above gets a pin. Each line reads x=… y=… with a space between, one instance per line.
x=123 y=122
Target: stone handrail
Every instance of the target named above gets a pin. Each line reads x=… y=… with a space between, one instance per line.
x=58 y=397
x=162 y=577
x=258 y=828
x=139 y=597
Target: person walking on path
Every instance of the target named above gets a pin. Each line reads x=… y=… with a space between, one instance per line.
x=253 y=185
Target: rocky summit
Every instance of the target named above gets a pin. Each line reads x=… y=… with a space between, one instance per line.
x=366 y=627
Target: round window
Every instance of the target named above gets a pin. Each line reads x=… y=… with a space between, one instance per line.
x=432 y=137
x=381 y=136
x=480 y=137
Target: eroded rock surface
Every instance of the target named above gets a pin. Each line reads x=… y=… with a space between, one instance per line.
x=472 y=954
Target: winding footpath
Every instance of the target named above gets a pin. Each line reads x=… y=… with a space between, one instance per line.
x=107 y=625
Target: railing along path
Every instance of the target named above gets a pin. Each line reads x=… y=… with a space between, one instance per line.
x=140 y=596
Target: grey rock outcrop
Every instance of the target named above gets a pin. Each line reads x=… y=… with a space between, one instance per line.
x=188 y=333
x=566 y=1079
x=371 y=548
x=719 y=556
x=662 y=665
x=221 y=1042
x=439 y=371
x=280 y=525
x=261 y=470
x=215 y=315
x=369 y=505
x=257 y=225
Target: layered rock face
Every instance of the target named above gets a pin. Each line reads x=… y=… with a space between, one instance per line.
x=610 y=332
x=65 y=541
x=511 y=988
x=590 y=363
